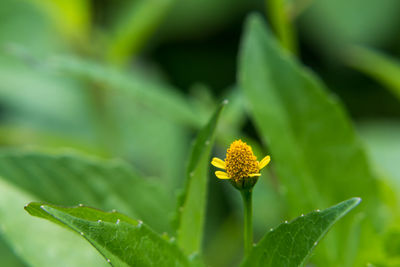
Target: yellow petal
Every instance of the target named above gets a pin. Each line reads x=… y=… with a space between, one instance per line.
x=219 y=163
x=264 y=162
x=221 y=175
x=254 y=174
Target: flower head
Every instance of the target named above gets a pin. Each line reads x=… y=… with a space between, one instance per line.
x=240 y=165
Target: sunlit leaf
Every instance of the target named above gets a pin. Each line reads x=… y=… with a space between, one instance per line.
x=72 y=17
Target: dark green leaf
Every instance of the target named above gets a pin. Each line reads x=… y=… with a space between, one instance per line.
x=314 y=148
x=191 y=207
x=121 y=240
x=291 y=243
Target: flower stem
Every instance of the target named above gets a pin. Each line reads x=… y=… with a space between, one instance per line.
x=248 y=221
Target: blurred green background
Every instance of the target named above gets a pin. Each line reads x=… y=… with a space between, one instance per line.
x=137 y=79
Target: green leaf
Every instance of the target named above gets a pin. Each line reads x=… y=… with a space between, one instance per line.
x=8 y=257
x=37 y=242
x=70 y=178
x=291 y=243
x=156 y=96
x=63 y=106
x=136 y=146
x=192 y=205
x=314 y=148
x=121 y=240
x=381 y=67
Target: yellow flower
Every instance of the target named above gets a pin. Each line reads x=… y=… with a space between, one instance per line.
x=240 y=163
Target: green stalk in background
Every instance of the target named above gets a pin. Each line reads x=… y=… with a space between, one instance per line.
x=131 y=32
x=377 y=65
x=296 y=8
x=279 y=17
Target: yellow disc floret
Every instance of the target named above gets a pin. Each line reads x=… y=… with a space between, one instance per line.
x=240 y=161
x=240 y=165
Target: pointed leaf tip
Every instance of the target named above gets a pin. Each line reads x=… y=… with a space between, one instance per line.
x=291 y=243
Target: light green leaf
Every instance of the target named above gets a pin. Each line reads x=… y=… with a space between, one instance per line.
x=314 y=148
x=62 y=108
x=121 y=240
x=291 y=243
x=384 y=69
x=70 y=178
x=192 y=205
x=152 y=155
x=383 y=145
x=156 y=96
x=37 y=242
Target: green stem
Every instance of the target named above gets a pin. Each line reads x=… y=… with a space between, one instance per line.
x=278 y=15
x=248 y=220
x=297 y=8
